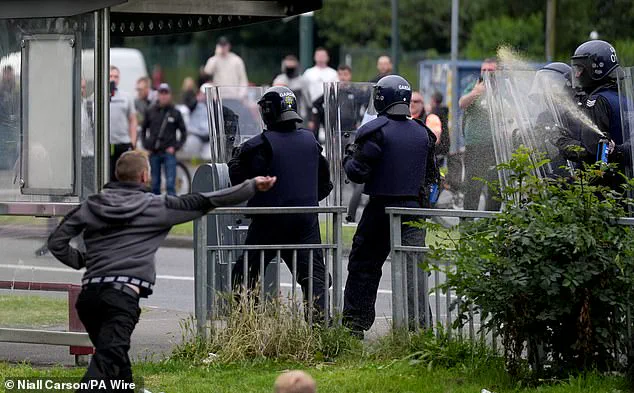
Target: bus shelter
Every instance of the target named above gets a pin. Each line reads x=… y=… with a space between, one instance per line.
x=54 y=111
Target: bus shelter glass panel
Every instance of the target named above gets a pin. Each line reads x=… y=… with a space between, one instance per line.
x=46 y=109
x=347 y=107
x=234 y=118
x=47 y=150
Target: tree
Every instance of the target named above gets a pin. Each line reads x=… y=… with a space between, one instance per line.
x=526 y=35
x=366 y=23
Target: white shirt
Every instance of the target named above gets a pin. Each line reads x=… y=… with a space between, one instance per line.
x=315 y=78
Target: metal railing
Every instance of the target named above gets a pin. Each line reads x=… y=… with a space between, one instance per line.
x=76 y=338
x=215 y=263
x=402 y=255
x=408 y=256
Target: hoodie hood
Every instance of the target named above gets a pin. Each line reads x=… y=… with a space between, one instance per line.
x=119 y=202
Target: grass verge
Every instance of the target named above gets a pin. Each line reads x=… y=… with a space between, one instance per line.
x=33 y=311
x=360 y=376
x=187 y=229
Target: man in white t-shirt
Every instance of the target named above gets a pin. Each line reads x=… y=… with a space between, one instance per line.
x=315 y=76
x=314 y=79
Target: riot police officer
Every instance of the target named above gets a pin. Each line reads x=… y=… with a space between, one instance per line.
x=595 y=66
x=393 y=156
x=293 y=155
x=556 y=127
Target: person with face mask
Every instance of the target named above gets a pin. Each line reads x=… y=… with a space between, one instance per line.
x=292 y=78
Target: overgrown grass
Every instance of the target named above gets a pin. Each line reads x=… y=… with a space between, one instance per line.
x=263 y=331
x=33 y=311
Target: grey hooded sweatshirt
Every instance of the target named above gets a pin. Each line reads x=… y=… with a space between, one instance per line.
x=124 y=225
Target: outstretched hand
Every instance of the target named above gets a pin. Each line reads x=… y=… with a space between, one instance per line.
x=265 y=183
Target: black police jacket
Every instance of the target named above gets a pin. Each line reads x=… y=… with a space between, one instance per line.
x=163 y=127
x=255 y=158
x=393 y=157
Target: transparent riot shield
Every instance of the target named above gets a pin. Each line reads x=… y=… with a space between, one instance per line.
x=346 y=107
x=625 y=84
x=234 y=118
x=530 y=109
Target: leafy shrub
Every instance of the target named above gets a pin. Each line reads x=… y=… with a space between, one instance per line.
x=553 y=272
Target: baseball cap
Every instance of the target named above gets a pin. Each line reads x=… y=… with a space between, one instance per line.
x=164 y=87
x=223 y=41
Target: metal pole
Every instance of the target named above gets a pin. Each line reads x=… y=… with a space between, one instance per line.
x=102 y=96
x=551 y=15
x=455 y=93
x=395 y=36
x=306 y=39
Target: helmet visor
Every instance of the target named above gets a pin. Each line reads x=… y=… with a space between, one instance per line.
x=579 y=75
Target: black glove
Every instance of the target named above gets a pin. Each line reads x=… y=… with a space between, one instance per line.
x=350 y=149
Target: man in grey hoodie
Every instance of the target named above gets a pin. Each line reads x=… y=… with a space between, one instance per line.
x=123 y=227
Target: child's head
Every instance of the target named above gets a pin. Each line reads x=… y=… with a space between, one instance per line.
x=295 y=382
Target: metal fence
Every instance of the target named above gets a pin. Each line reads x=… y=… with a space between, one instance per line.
x=76 y=337
x=218 y=261
x=404 y=256
x=214 y=263
x=441 y=306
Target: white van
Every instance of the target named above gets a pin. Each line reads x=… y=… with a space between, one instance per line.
x=129 y=61
x=132 y=66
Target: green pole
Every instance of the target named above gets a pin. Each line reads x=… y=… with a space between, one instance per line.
x=395 y=36
x=306 y=40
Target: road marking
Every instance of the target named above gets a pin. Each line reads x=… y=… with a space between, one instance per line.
x=159 y=277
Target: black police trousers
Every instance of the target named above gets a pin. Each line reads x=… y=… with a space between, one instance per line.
x=109 y=316
x=370 y=248
x=286 y=229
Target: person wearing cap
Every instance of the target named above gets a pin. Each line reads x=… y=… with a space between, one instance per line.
x=393 y=156
x=293 y=156
x=164 y=133
x=225 y=67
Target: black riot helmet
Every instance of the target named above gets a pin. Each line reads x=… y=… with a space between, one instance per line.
x=392 y=95
x=555 y=78
x=593 y=64
x=277 y=105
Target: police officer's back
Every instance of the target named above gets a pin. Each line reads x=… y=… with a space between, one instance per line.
x=293 y=155
x=394 y=157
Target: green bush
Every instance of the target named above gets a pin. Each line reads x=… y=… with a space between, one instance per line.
x=552 y=273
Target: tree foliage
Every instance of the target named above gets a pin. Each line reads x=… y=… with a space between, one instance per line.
x=524 y=35
x=520 y=23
